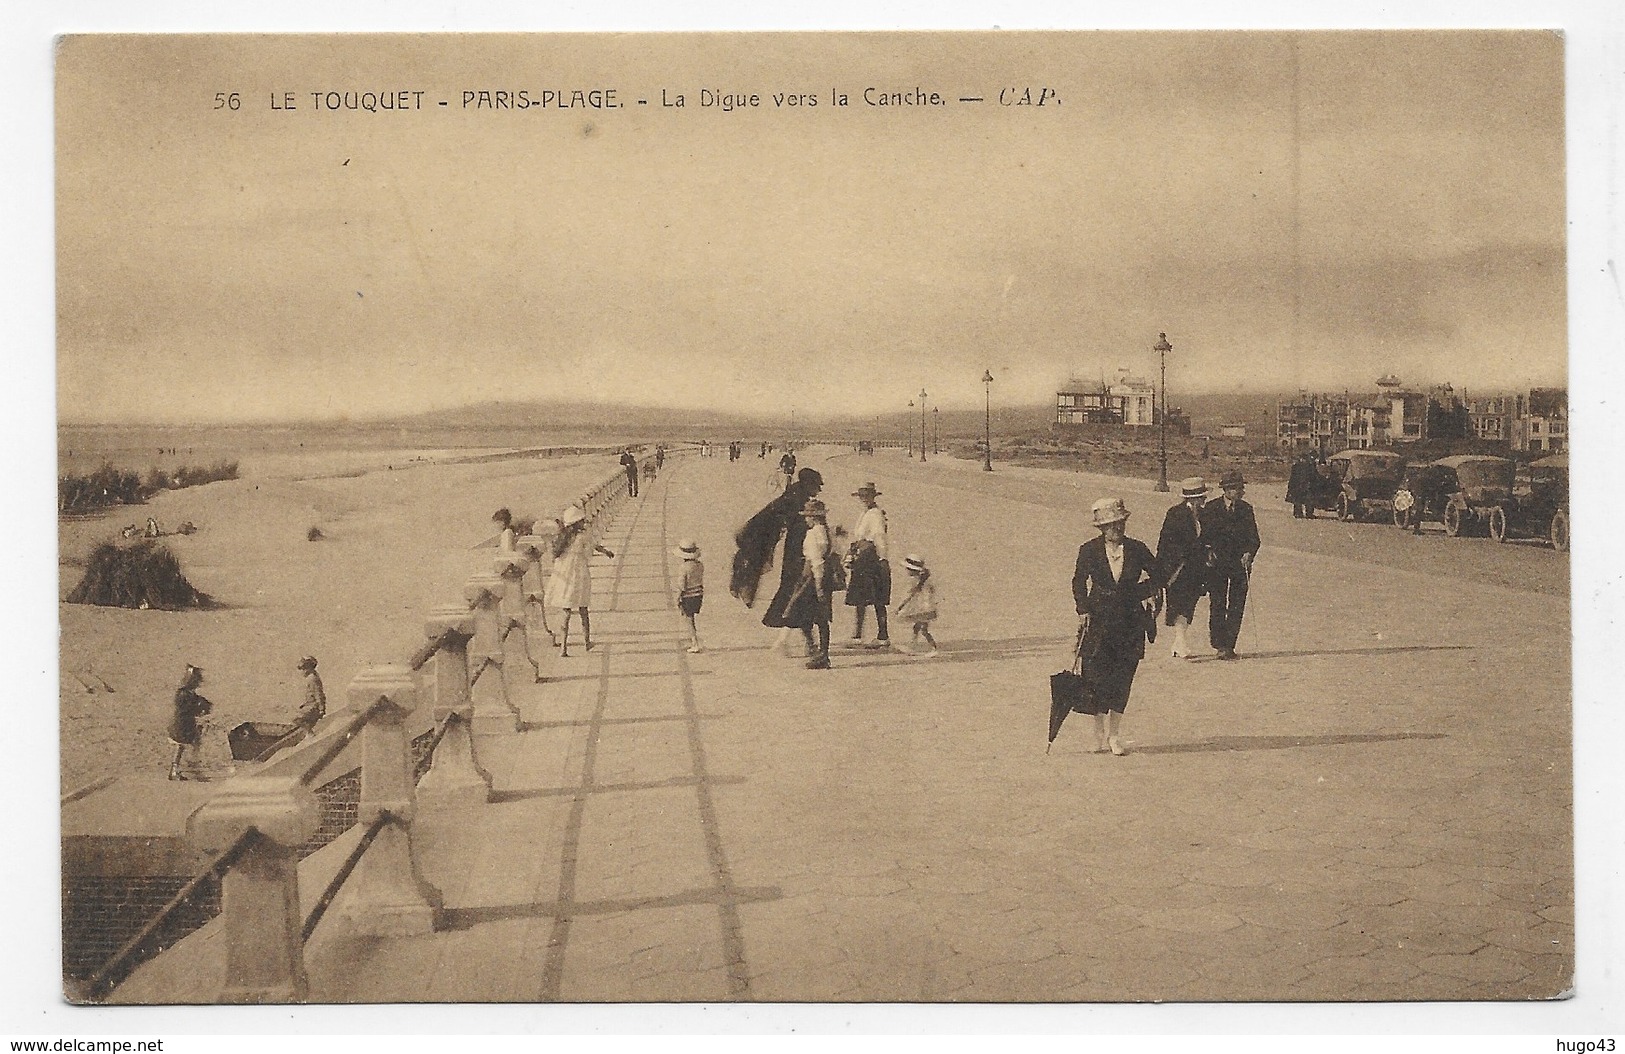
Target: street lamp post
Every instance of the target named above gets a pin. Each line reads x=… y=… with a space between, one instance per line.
x=908 y=430
x=987 y=420
x=922 y=426
x=1162 y=348
x=936 y=430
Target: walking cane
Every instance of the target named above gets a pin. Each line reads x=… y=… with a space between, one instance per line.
x=1247 y=580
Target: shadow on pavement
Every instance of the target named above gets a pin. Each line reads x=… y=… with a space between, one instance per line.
x=1223 y=743
x=467 y=918
x=1352 y=651
x=959 y=651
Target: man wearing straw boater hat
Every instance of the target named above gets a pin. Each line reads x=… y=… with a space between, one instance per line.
x=1230 y=533
x=869 y=583
x=1182 y=559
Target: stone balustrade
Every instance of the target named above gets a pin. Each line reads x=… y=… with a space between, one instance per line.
x=476 y=647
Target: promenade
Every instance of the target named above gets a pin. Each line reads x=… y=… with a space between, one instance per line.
x=1375 y=804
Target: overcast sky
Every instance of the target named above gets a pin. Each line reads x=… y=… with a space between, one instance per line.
x=1293 y=210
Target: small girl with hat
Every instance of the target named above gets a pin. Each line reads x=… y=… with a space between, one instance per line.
x=691 y=593
x=570 y=584
x=920 y=605
x=185 y=730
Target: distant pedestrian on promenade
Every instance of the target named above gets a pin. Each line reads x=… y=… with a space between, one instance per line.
x=184 y=730
x=570 y=585
x=660 y=457
x=869 y=581
x=1113 y=585
x=1230 y=532
x=314 y=707
x=630 y=464
x=1182 y=560
x=1301 y=484
x=691 y=591
x=810 y=603
x=919 y=605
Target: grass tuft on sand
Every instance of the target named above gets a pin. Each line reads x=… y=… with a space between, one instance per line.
x=144 y=575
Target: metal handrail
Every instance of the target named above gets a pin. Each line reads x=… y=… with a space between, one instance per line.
x=326 y=899
x=429 y=649
x=108 y=977
x=340 y=741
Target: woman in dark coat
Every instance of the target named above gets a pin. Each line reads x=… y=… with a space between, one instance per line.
x=761 y=533
x=184 y=731
x=1114 y=583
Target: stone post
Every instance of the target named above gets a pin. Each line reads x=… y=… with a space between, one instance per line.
x=510 y=567
x=455 y=778
x=259 y=894
x=386 y=895
x=493 y=712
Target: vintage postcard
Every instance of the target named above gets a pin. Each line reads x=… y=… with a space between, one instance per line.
x=920 y=517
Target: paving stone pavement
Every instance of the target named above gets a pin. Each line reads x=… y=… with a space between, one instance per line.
x=1374 y=805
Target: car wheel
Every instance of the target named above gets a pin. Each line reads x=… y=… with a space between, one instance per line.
x=1498 y=524
x=1452 y=520
x=1345 y=511
x=1560 y=530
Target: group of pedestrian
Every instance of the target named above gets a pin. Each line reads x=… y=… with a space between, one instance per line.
x=812 y=570
x=1207 y=546
x=190 y=709
x=1302 y=482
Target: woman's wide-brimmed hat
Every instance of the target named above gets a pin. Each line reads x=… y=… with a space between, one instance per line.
x=307 y=663
x=190 y=670
x=1232 y=478
x=502 y=516
x=913 y=563
x=810 y=476
x=814 y=507
x=866 y=491
x=1108 y=511
x=1193 y=487
x=688 y=548
x=573 y=515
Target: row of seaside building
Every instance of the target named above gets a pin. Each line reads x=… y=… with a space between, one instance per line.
x=1535 y=419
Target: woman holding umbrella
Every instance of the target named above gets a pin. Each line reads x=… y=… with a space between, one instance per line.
x=1114 y=585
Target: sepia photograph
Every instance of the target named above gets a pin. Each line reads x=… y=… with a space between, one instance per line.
x=968 y=518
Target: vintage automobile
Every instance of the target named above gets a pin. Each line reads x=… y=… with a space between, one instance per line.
x=1539 y=506
x=1360 y=483
x=1424 y=495
x=1483 y=488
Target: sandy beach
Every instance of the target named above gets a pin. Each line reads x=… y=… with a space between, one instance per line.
x=399 y=525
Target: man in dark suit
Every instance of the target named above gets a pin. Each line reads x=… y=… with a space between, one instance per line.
x=630 y=464
x=1230 y=533
x=1301 y=484
x=1182 y=560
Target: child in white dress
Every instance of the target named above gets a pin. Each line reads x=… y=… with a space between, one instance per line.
x=919 y=605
